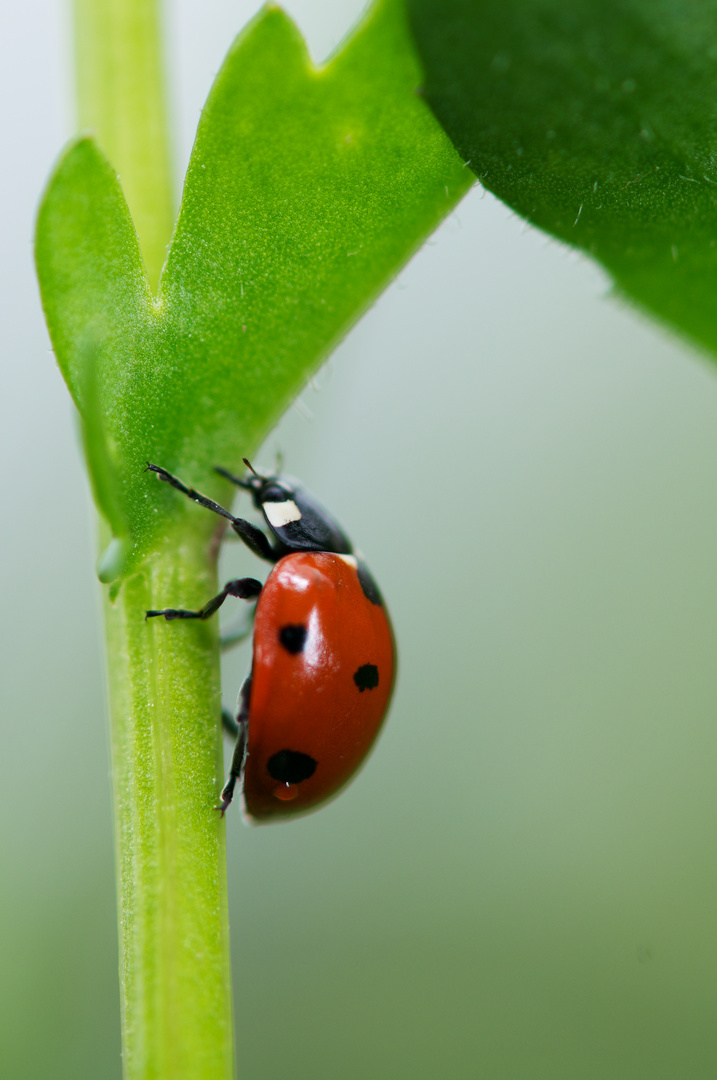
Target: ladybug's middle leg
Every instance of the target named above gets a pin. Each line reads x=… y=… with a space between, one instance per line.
x=245 y=588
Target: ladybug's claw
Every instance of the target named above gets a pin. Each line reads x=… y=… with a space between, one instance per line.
x=227 y=795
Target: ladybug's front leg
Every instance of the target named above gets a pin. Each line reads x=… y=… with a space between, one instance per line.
x=253 y=537
x=240 y=748
x=245 y=588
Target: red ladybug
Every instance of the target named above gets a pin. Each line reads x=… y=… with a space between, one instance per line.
x=323 y=660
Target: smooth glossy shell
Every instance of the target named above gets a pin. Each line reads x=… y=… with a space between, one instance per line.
x=319 y=694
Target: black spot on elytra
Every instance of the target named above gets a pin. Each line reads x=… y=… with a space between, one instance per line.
x=293 y=637
x=366 y=678
x=369 y=586
x=290 y=766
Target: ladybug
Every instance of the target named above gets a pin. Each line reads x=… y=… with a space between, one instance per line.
x=323 y=655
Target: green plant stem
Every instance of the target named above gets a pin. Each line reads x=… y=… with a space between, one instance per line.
x=163 y=678
x=120 y=94
x=166 y=749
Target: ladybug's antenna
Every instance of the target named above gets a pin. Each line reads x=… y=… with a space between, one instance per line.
x=240 y=481
x=250 y=466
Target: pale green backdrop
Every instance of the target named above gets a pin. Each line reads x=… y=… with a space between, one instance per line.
x=522 y=884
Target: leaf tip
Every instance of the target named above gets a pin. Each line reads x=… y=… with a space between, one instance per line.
x=274 y=29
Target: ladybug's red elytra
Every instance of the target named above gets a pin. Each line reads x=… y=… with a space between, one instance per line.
x=323 y=660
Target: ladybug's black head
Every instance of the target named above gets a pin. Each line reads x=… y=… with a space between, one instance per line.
x=266 y=488
x=295 y=518
x=260 y=487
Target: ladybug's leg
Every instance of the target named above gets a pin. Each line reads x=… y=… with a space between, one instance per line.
x=253 y=537
x=191 y=493
x=239 y=750
x=231 y=728
x=246 y=588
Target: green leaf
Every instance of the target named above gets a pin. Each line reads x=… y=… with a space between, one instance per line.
x=595 y=120
x=89 y=263
x=308 y=188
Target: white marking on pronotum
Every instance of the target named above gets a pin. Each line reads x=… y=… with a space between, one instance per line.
x=350 y=560
x=577 y=219
x=279 y=514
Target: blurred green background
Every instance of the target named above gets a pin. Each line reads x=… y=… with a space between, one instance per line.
x=522 y=883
